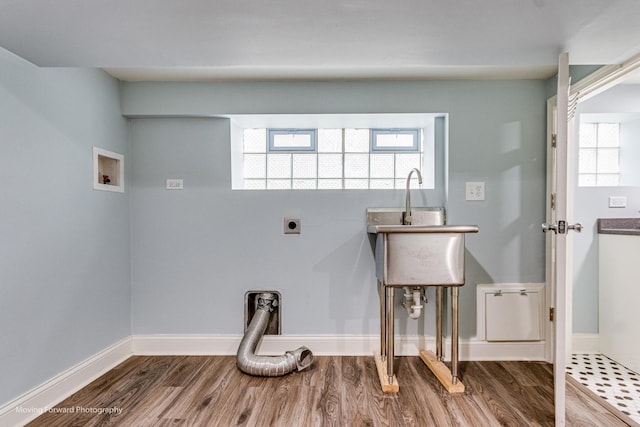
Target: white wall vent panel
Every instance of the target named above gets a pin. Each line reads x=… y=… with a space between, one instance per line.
x=510 y=312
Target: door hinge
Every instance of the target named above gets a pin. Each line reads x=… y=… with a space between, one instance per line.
x=553 y=200
x=552 y=314
x=554 y=140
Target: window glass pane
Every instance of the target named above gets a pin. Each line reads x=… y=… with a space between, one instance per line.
x=608 y=135
x=587 y=160
x=255 y=140
x=402 y=182
x=587 y=180
x=255 y=184
x=278 y=166
x=405 y=162
x=255 y=165
x=385 y=184
x=395 y=140
x=608 y=160
x=382 y=165
x=330 y=166
x=587 y=135
x=305 y=165
x=356 y=165
x=330 y=140
x=356 y=183
x=278 y=184
x=329 y=184
x=608 y=180
x=304 y=184
x=292 y=140
x=356 y=140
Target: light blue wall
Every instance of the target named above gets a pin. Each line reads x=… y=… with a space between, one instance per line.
x=196 y=252
x=591 y=203
x=81 y=269
x=64 y=248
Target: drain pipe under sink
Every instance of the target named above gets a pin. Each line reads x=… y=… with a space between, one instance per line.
x=413 y=296
x=268 y=366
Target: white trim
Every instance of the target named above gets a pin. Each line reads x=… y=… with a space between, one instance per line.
x=600 y=80
x=549 y=265
x=30 y=405
x=604 y=78
x=333 y=345
x=227 y=345
x=586 y=344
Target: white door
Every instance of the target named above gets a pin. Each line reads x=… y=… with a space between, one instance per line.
x=557 y=228
x=558 y=198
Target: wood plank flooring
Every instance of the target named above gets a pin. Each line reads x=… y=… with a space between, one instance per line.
x=336 y=391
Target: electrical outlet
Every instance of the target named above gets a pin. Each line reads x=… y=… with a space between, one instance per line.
x=617 y=202
x=475 y=191
x=292 y=226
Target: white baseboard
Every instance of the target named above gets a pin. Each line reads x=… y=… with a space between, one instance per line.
x=332 y=345
x=227 y=345
x=28 y=406
x=585 y=344
x=33 y=403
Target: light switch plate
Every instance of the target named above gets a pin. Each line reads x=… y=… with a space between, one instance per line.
x=175 y=184
x=617 y=202
x=475 y=191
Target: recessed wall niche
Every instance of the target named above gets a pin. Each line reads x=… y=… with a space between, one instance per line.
x=108 y=170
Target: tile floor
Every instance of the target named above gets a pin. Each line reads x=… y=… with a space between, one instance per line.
x=613 y=382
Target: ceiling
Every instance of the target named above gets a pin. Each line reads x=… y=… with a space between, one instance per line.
x=320 y=39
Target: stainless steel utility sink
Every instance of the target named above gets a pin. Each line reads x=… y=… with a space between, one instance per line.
x=425 y=253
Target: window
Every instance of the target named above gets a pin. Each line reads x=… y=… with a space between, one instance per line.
x=292 y=139
x=395 y=139
x=599 y=155
x=330 y=158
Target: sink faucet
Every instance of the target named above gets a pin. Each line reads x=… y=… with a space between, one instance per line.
x=407 y=212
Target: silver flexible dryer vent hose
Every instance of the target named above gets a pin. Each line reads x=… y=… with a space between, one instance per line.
x=268 y=366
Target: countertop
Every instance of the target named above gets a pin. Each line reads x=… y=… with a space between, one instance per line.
x=624 y=226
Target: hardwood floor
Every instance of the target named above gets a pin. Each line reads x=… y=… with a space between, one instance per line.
x=336 y=391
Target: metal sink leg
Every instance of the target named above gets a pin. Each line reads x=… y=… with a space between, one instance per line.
x=439 y=323
x=389 y=331
x=455 y=297
x=455 y=293
x=383 y=320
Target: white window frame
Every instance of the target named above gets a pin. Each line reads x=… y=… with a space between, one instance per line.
x=272 y=133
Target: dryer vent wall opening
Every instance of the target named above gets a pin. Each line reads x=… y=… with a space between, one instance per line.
x=268 y=366
x=251 y=303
